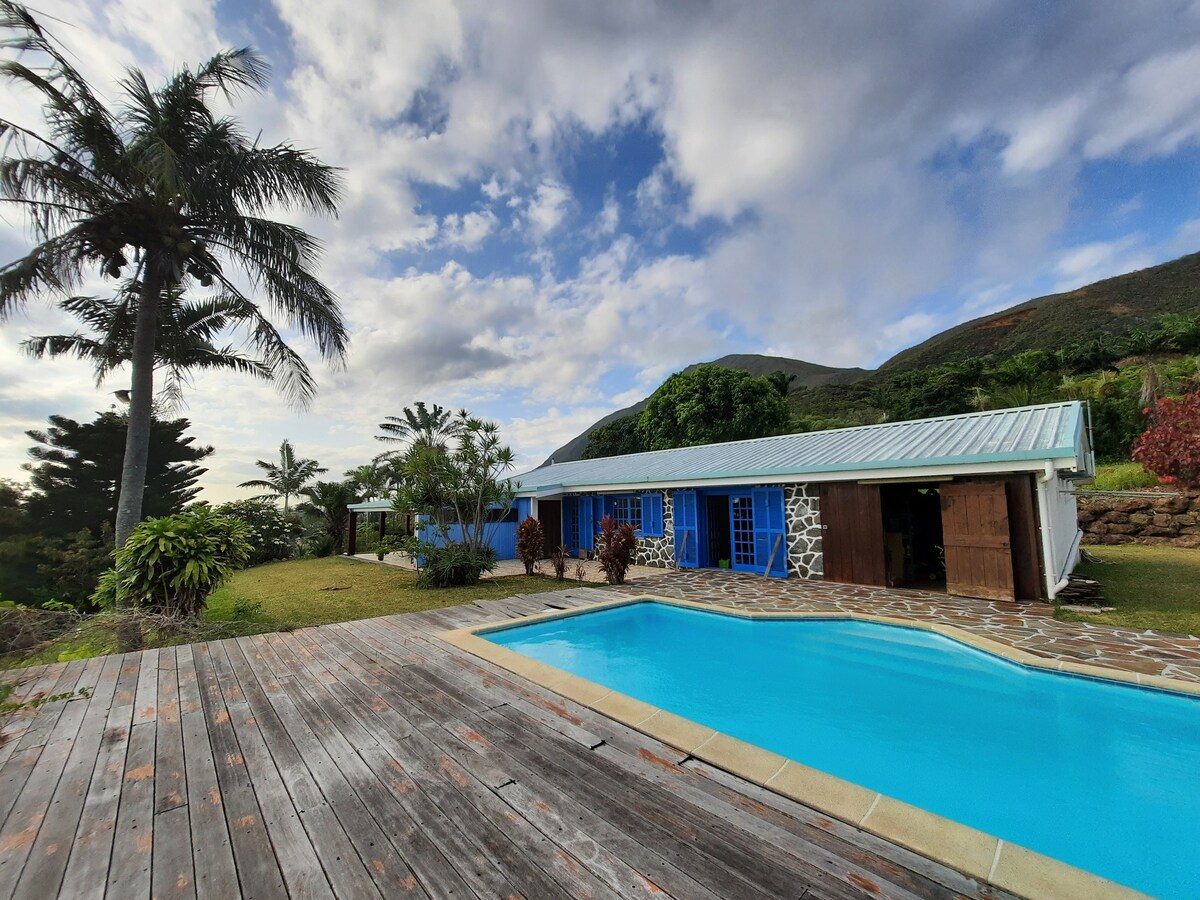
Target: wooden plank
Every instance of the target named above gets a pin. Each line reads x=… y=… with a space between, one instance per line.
x=258 y=869
x=29 y=812
x=510 y=841
x=213 y=866
x=133 y=836
x=352 y=848
x=298 y=859
x=976 y=537
x=173 y=876
x=170 y=783
x=146 y=700
x=45 y=717
x=47 y=862
x=87 y=868
x=488 y=858
x=460 y=851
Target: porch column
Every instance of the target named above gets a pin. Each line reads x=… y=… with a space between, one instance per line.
x=352 y=540
x=382 y=523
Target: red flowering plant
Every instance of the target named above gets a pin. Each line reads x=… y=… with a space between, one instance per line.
x=1170 y=446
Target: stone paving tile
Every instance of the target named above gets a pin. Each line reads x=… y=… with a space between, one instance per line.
x=1028 y=626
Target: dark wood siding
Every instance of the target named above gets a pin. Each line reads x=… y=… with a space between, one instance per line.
x=1028 y=582
x=975 y=531
x=852 y=533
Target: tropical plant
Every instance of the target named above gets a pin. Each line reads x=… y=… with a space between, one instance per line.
x=454 y=565
x=187 y=330
x=558 y=561
x=162 y=184
x=329 y=502
x=171 y=565
x=459 y=485
x=531 y=542
x=1170 y=446
x=286 y=478
x=420 y=426
x=373 y=480
x=615 y=548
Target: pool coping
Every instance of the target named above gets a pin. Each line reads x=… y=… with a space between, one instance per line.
x=982 y=856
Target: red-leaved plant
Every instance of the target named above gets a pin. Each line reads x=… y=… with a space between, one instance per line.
x=615 y=546
x=1170 y=446
x=530 y=542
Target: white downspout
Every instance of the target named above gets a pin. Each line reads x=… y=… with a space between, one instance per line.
x=1052 y=586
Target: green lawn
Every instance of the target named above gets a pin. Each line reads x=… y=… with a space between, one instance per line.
x=1150 y=586
x=318 y=591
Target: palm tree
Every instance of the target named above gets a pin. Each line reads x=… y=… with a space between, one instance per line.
x=373 y=480
x=420 y=426
x=330 y=500
x=286 y=479
x=161 y=184
x=186 y=332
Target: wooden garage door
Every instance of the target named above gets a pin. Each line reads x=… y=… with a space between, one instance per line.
x=852 y=533
x=976 y=537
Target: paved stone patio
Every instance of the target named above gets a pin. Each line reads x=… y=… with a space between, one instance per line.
x=1027 y=626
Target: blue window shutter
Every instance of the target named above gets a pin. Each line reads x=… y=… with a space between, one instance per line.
x=587 y=535
x=687 y=548
x=769 y=531
x=652 y=515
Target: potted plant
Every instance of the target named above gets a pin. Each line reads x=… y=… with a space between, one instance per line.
x=723 y=563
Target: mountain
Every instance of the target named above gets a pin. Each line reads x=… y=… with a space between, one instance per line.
x=807 y=375
x=1047 y=323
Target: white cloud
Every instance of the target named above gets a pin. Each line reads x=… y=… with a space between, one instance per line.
x=468 y=231
x=547 y=209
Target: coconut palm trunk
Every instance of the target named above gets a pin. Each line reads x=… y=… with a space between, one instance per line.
x=141 y=412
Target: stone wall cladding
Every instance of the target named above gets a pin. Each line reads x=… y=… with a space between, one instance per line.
x=802 y=513
x=1117 y=519
x=659 y=551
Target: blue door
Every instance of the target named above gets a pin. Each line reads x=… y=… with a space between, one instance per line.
x=770 y=540
x=587 y=531
x=687 y=539
x=741 y=532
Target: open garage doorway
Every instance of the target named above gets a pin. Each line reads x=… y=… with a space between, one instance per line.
x=914 y=548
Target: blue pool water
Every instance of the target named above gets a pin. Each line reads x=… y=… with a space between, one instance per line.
x=1101 y=775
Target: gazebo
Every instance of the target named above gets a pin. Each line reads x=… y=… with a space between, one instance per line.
x=383 y=507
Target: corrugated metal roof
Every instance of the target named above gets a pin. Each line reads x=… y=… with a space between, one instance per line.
x=1051 y=431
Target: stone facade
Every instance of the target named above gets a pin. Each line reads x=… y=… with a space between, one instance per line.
x=802 y=514
x=1122 y=519
x=659 y=551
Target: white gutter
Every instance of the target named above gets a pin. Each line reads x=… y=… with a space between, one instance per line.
x=1052 y=586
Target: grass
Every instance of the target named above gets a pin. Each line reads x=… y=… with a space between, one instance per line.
x=319 y=591
x=1150 y=586
x=1126 y=476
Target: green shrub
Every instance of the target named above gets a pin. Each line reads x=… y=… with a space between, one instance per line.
x=454 y=565
x=171 y=565
x=1129 y=476
x=272 y=533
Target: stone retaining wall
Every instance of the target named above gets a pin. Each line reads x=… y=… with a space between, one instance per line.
x=1114 y=519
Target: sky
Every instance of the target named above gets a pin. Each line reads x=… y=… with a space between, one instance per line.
x=551 y=206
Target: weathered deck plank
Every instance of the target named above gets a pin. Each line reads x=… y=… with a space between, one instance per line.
x=370 y=759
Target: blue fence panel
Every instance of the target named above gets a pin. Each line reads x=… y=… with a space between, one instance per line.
x=501 y=535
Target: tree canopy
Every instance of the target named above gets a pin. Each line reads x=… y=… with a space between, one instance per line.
x=76 y=471
x=710 y=404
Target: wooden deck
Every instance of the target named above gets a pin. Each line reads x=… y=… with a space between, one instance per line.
x=368 y=759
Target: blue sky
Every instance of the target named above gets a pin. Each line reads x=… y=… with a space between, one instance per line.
x=551 y=206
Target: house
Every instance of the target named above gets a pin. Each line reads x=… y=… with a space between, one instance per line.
x=980 y=504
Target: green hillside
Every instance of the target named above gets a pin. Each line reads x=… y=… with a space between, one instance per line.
x=1116 y=305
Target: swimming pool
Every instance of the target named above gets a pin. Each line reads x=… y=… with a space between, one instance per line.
x=1101 y=775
